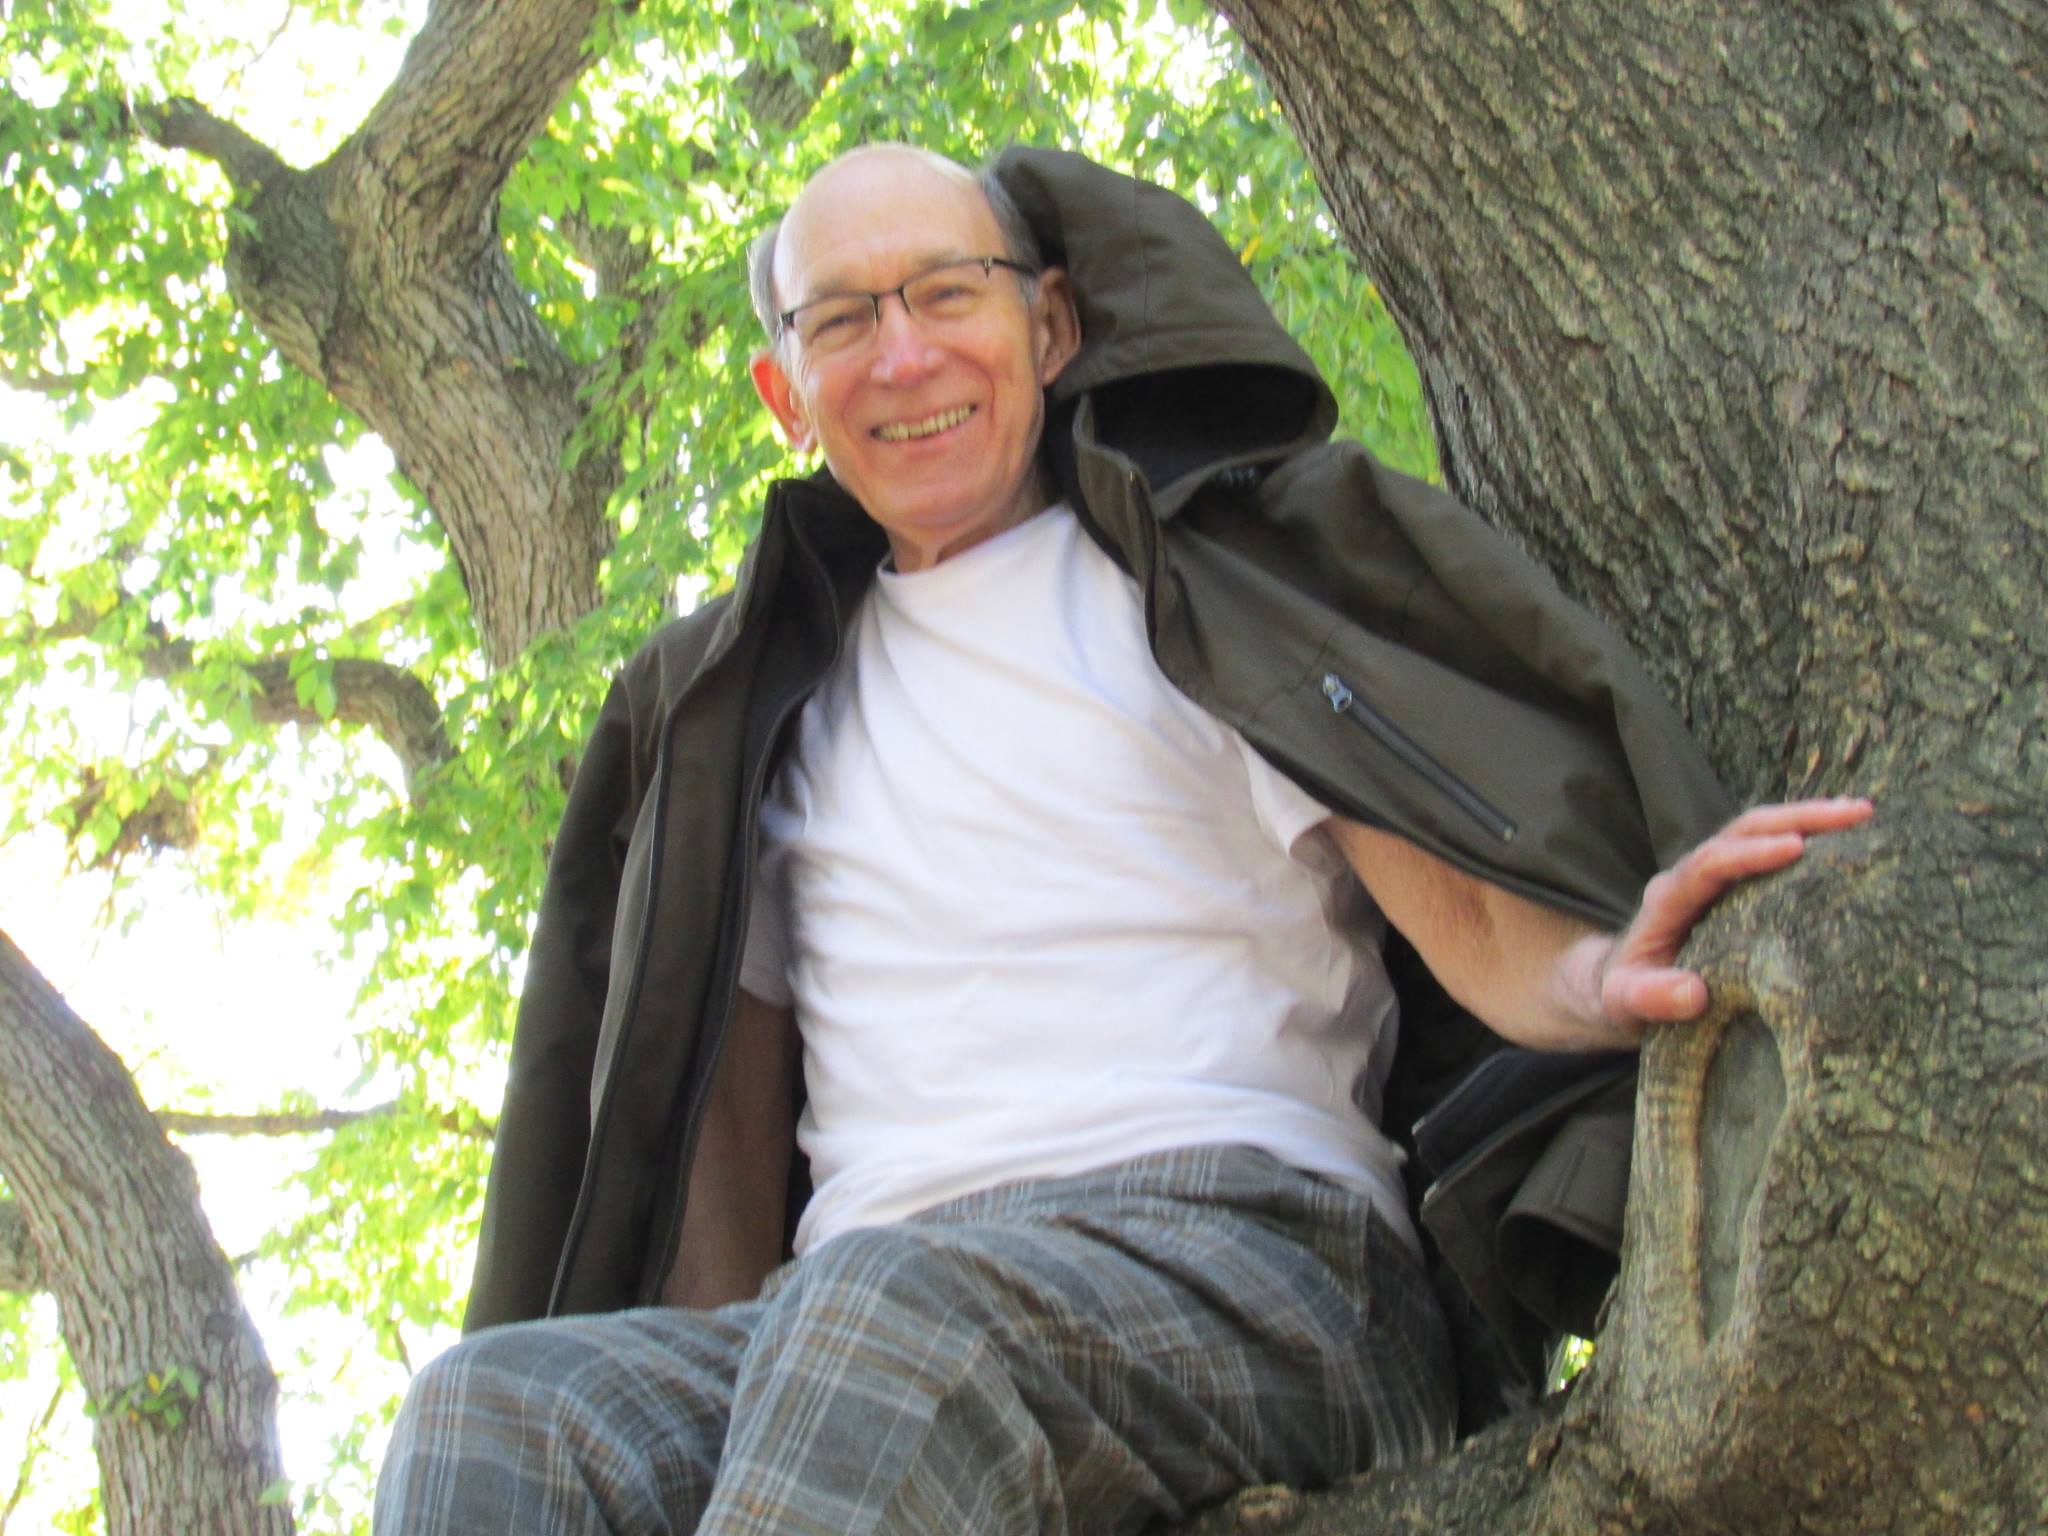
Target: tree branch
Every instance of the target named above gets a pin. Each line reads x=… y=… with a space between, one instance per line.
x=21 y=1266
x=138 y=1279
x=619 y=262
x=168 y=819
x=262 y=51
x=777 y=99
x=30 y=1455
x=385 y=699
x=479 y=80
x=1491 y=1485
x=612 y=254
x=182 y=123
x=310 y=1122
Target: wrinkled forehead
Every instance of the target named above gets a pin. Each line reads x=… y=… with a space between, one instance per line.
x=878 y=215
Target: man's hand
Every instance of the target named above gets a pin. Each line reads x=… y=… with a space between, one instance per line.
x=1548 y=981
x=1636 y=980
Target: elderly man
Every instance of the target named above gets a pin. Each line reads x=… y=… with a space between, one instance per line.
x=1015 y=844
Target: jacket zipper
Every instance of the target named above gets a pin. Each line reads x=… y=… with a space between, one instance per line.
x=1411 y=753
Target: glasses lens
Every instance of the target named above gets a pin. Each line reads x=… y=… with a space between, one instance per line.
x=832 y=324
x=951 y=292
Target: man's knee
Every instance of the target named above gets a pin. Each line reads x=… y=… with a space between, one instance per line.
x=657 y=1364
x=494 y=1385
x=620 y=1416
x=465 y=1431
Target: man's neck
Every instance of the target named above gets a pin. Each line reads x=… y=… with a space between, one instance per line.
x=908 y=556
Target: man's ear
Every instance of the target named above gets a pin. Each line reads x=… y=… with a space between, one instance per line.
x=772 y=384
x=1057 y=324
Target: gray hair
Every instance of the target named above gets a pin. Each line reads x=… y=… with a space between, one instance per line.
x=1020 y=245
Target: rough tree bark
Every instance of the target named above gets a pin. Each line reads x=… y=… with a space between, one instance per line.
x=1735 y=314
x=379 y=272
x=106 y=1215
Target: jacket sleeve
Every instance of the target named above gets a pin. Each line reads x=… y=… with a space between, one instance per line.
x=1473 y=653
x=544 y=1127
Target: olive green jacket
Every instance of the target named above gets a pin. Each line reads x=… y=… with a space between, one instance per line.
x=1370 y=636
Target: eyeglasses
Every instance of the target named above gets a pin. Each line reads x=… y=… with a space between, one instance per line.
x=952 y=290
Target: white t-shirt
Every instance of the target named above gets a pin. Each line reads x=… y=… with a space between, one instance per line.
x=1038 y=913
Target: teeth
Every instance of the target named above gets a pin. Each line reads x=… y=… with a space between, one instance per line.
x=904 y=431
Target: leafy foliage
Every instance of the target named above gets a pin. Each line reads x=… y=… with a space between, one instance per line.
x=184 y=510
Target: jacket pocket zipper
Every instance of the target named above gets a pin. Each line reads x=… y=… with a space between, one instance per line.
x=1403 y=746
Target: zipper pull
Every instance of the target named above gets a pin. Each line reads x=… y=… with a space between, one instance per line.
x=1409 y=752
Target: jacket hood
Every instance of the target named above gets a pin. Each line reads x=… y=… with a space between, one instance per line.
x=1186 y=365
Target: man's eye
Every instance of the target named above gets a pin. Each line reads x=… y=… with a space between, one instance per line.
x=836 y=322
x=947 y=295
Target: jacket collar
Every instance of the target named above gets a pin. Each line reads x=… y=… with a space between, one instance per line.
x=805 y=520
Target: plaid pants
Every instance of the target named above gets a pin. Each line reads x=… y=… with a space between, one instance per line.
x=1086 y=1354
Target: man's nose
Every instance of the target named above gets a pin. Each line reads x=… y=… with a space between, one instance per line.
x=902 y=349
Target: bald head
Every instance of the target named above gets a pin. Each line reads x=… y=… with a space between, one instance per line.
x=848 y=182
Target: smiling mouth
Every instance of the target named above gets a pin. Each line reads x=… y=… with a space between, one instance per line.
x=929 y=426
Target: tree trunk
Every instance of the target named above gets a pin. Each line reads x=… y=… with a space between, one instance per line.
x=1734 y=314
x=185 y=1400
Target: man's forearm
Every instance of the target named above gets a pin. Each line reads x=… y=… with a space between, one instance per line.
x=1533 y=975
x=1543 y=979
x=1530 y=974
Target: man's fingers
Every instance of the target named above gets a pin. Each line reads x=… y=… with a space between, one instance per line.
x=1654 y=994
x=1641 y=983
x=1803 y=816
x=1676 y=899
x=1730 y=856
x=1762 y=839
